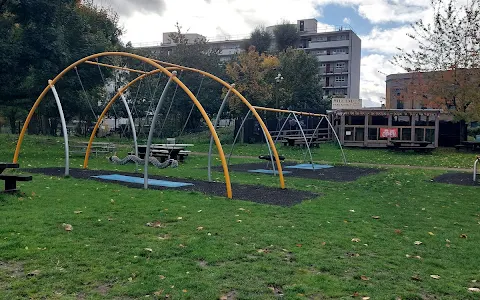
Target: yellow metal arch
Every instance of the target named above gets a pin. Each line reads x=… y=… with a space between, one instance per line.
x=154 y=64
x=250 y=107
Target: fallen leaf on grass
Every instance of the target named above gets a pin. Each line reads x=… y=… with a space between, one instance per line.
x=299 y=245
x=418 y=243
x=365 y=278
x=199 y=228
x=356 y=240
x=435 y=276
x=158 y=293
x=161 y=277
x=239 y=221
x=148 y=249
x=365 y=298
x=155 y=224
x=179 y=218
x=474 y=290
x=33 y=273
x=416 y=277
x=431 y=233
x=376 y=217
x=263 y=250
x=463 y=236
x=184 y=291
x=77 y=212
x=398 y=231
x=67 y=227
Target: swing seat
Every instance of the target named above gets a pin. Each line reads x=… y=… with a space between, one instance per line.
x=269 y=158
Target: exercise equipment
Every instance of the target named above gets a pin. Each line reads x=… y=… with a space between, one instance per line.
x=151 y=159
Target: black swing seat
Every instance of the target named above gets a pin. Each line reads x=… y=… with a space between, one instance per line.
x=269 y=158
x=11 y=181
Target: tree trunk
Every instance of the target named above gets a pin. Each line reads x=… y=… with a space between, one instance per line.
x=12 y=120
x=463 y=131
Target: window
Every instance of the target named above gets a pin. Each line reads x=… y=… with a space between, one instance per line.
x=302 y=26
x=340 y=51
x=323 y=65
x=340 y=65
x=339 y=78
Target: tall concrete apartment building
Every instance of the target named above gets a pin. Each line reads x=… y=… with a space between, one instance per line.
x=337 y=49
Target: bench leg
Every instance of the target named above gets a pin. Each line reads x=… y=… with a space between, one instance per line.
x=10 y=186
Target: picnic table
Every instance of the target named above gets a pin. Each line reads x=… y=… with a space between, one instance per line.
x=97 y=147
x=417 y=146
x=164 y=151
x=471 y=145
x=11 y=179
x=300 y=141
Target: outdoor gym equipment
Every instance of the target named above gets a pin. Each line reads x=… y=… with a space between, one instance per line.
x=151 y=159
x=160 y=68
x=293 y=114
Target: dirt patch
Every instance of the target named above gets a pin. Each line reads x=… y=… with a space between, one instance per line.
x=337 y=173
x=254 y=193
x=457 y=178
x=232 y=295
x=202 y=264
x=103 y=289
x=12 y=269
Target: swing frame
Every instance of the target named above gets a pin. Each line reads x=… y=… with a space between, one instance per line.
x=160 y=67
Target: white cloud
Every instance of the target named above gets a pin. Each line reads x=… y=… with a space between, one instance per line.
x=388 y=40
x=374 y=69
x=346 y=20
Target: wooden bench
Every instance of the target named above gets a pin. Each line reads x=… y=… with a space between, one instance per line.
x=417 y=146
x=97 y=148
x=300 y=141
x=11 y=181
x=269 y=158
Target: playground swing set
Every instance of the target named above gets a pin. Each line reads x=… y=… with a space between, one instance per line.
x=168 y=70
x=307 y=141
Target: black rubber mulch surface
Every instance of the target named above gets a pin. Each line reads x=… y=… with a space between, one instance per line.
x=457 y=178
x=337 y=173
x=254 y=193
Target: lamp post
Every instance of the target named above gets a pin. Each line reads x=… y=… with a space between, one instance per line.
x=278 y=80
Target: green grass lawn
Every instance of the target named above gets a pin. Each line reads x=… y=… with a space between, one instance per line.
x=357 y=240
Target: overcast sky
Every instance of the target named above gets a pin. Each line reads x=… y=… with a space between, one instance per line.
x=381 y=24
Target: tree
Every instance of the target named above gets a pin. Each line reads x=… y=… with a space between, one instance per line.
x=38 y=40
x=260 y=38
x=301 y=81
x=286 y=36
x=253 y=75
x=449 y=55
x=196 y=54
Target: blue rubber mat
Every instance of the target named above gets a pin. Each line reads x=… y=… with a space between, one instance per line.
x=309 y=166
x=263 y=171
x=139 y=180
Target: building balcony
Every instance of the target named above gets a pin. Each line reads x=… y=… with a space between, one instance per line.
x=328 y=44
x=224 y=52
x=333 y=71
x=332 y=85
x=333 y=57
